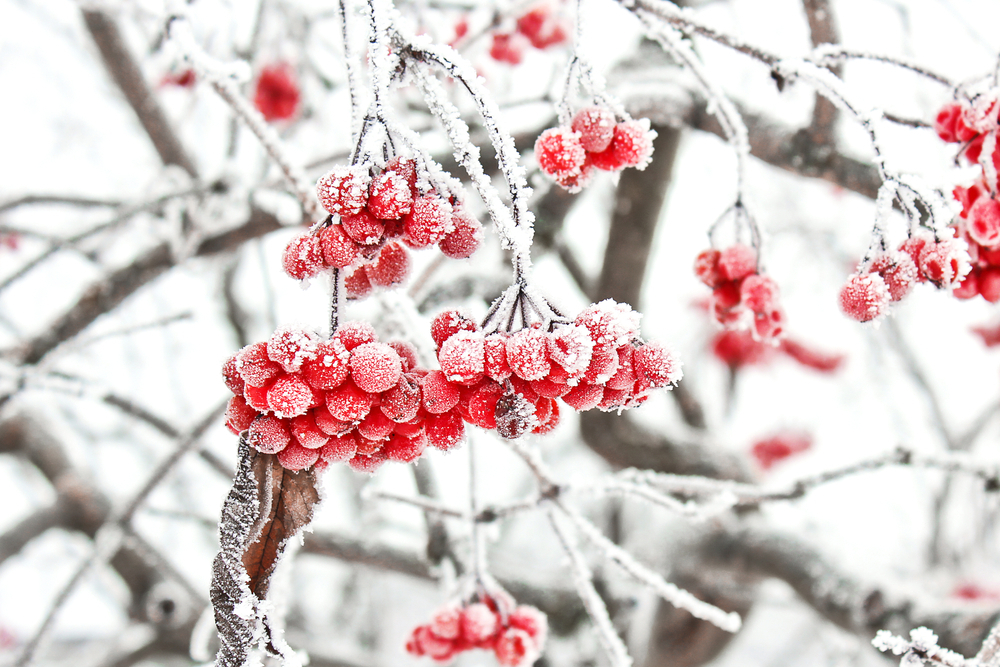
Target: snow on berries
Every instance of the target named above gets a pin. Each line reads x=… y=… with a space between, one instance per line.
x=864 y=297
x=594 y=139
x=540 y=27
x=742 y=298
x=515 y=634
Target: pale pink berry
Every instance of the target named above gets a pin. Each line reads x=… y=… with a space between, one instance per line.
x=898 y=271
x=532 y=621
x=290 y=348
x=479 y=623
x=290 y=396
x=571 y=347
x=268 y=434
x=610 y=324
x=461 y=357
x=343 y=191
x=596 y=126
x=390 y=197
x=864 y=297
x=447 y=623
x=407 y=353
x=984 y=222
x=528 y=354
x=303 y=257
x=515 y=648
x=375 y=367
x=737 y=262
x=706 y=268
x=759 y=293
x=428 y=222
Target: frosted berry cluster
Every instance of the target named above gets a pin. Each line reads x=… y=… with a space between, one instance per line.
x=540 y=27
x=515 y=634
x=979 y=227
x=594 y=139
x=891 y=275
x=373 y=222
x=968 y=123
x=350 y=398
x=742 y=298
x=509 y=382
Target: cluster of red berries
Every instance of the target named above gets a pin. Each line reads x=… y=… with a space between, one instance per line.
x=510 y=382
x=968 y=123
x=742 y=298
x=594 y=139
x=779 y=447
x=540 y=28
x=276 y=93
x=890 y=275
x=979 y=227
x=378 y=218
x=516 y=634
x=350 y=398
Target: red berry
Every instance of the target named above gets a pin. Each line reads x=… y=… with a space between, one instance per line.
x=362 y=227
x=231 y=376
x=391 y=267
x=449 y=323
x=610 y=324
x=402 y=402
x=307 y=433
x=945 y=262
x=330 y=424
x=425 y=642
x=479 y=623
x=970 y=195
x=549 y=389
x=737 y=262
x=603 y=366
x=407 y=353
x=182 y=79
x=368 y=447
x=759 y=293
x=572 y=348
x=461 y=357
x=464 y=240
x=276 y=94
x=367 y=463
x=353 y=334
x=239 y=415
x=825 y=362
x=375 y=367
x=769 y=451
x=439 y=395
x=625 y=377
x=532 y=621
x=508 y=47
x=946 y=121
x=447 y=623
x=290 y=396
x=989 y=284
x=404 y=450
x=576 y=181
x=559 y=151
x=898 y=271
x=770 y=324
x=254 y=365
x=444 y=431
x=303 y=257
x=528 y=354
x=584 y=397
x=984 y=222
x=290 y=348
x=257 y=397
x=268 y=434
x=390 y=197
x=551 y=422
x=349 y=403
x=407 y=168
x=338 y=249
x=357 y=285
x=343 y=191
x=428 y=222
x=495 y=357
x=596 y=126
x=541 y=27
x=706 y=268
x=738 y=348
x=339 y=449
x=864 y=297
x=633 y=143
x=514 y=648
x=297 y=457
x=376 y=426
x=482 y=405
x=968 y=288
x=654 y=364
x=329 y=368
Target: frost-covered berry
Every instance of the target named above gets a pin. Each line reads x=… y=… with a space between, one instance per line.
x=276 y=94
x=290 y=348
x=946 y=120
x=405 y=167
x=447 y=324
x=404 y=450
x=495 y=357
x=737 y=262
x=551 y=421
x=769 y=324
x=559 y=151
x=576 y=181
x=465 y=238
x=528 y=354
x=348 y=403
x=542 y=28
x=603 y=365
x=584 y=397
x=656 y=365
x=307 y=433
x=479 y=623
x=945 y=263
x=596 y=126
x=759 y=293
x=402 y=402
x=254 y=365
x=610 y=324
x=898 y=271
x=548 y=388
x=706 y=268
x=984 y=222
x=362 y=227
x=444 y=431
x=438 y=395
x=268 y=434
x=239 y=415
x=532 y=621
x=367 y=463
x=390 y=197
x=428 y=222
x=864 y=297
x=461 y=357
x=515 y=648
x=515 y=415
x=231 y=376
x=914 y=246
x=625 y=377
x=357 y=285
x=571 y=347
x=447 y=623
x=339 y=250
x=633 y=143
x=391 y=267
x=970 y=195
x=353 y=334
x=341 y=448
x=375 y=367
x=329 y=368
x=343 y=191
x=376 y=426
x=482 y=405
x=257 y=397
x=407 y=353
x=297 y=457
x=290 y=396
x=303 y=257
x=508 y=47
x=425 y=642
